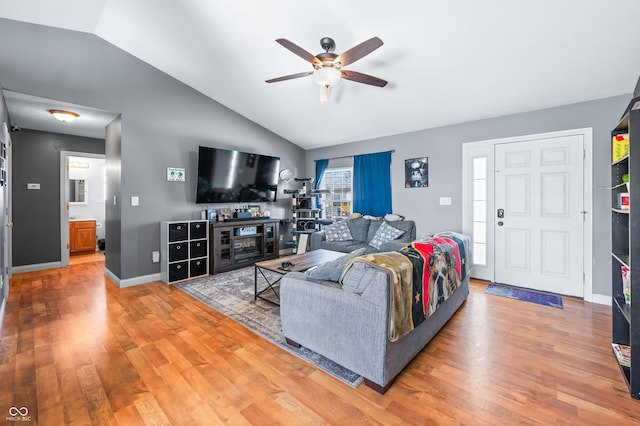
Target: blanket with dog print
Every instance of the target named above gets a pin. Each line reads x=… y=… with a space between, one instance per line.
x=423 y=275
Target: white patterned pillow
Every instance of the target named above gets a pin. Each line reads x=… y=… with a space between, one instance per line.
x=385 y=233
x=338 y=232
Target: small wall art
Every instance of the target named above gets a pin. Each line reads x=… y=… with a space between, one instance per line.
x=175 y=174
x=416 y=172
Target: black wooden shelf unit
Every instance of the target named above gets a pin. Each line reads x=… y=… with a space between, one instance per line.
x=625 y=245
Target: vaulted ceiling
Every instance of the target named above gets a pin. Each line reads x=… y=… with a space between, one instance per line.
x=446 y=61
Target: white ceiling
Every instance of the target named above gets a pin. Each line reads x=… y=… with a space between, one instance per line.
x=32 y=112
x=446 y=61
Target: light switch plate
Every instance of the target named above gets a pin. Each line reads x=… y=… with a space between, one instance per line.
x=445 y=201
x=135 y=201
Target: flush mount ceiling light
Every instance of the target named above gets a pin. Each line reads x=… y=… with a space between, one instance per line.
x=328 y=65
x=64 y=116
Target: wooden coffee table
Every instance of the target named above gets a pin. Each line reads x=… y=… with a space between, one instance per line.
x=301 y=262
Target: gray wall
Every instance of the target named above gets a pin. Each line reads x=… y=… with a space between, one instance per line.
x=36 y=213
x=162 y=123
x=443 y=146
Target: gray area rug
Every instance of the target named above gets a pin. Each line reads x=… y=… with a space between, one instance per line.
x=231 y=293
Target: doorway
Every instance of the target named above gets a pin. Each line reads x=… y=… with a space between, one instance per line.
x=525 y=203
x=82 y=195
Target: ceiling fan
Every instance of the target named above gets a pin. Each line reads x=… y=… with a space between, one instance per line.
x=328 y=65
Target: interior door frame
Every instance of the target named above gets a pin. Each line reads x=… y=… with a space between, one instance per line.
x=6 y=220
x=488 y=146
x=64 y=196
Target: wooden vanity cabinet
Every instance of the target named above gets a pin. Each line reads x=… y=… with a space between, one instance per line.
x=82 y=236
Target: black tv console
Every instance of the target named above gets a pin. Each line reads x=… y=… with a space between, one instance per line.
x=242 y=242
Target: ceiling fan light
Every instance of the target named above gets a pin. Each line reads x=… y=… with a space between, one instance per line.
x=64 y=116
x=327 y=76
x=325 y=93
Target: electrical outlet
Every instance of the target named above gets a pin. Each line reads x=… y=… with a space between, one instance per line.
x=155 y=256
x=445 y=201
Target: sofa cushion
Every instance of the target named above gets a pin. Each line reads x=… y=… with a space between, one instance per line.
x=331 y=271
x=405 y=225
x=339 y=231
x=385 y=233
x=347 y=246
x=359 y=228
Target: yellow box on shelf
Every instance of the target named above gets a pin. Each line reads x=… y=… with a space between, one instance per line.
x=619 y=146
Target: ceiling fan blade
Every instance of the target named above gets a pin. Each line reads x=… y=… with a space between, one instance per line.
x=358 y=77
x=289 y=77
x=359 y=51
x=325 y=93
x=291 y=46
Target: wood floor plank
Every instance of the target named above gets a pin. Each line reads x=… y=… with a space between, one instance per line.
x=76 y=349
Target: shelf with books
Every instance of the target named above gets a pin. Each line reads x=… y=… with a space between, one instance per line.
x=622 y=353
x=625 y=246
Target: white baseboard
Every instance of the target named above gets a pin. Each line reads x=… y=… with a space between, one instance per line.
x=36 y=267
x=4 y=303
x=601 y=299
x=130 y=282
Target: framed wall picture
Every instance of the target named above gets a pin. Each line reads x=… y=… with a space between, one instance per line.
x=416 y=172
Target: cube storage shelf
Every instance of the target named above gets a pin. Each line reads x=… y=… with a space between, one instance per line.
x=184 y=251
x=625 y=245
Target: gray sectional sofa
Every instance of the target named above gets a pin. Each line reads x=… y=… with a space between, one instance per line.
x=348 y=323
x=362 y=232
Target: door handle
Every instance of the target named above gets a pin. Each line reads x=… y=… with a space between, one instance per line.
x=500 y=213
x=500 y=223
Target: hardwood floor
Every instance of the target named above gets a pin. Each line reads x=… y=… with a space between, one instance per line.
x=84 y=258
x=76 y=349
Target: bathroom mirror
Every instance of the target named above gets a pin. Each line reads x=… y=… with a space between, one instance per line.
x=78 y=192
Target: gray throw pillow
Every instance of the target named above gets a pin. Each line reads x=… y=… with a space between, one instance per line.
x=338 y=232
x=385 y=233
x=331 y=271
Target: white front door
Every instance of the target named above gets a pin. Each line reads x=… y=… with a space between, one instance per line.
x=538 y=215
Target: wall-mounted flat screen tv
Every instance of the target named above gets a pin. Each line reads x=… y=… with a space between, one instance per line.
x=226 y=176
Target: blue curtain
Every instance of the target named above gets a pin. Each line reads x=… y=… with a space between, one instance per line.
x=321 y=166
x=372 y=184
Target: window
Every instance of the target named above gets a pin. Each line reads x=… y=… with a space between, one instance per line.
x=479 y=196
x=337 y=204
